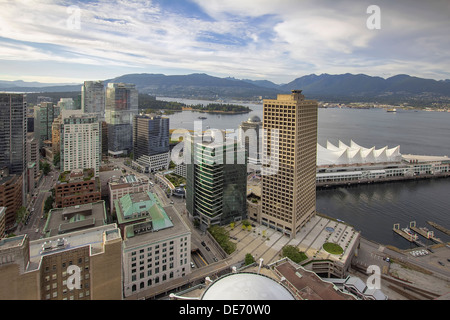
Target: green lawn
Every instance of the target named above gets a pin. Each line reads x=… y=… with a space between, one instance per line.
x=333 y=248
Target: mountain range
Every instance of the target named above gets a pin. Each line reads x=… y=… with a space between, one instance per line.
x=325 y=87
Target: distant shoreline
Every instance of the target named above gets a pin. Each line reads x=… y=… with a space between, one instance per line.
x=216 y=111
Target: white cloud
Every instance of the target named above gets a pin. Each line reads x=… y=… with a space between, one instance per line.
x=275 y=40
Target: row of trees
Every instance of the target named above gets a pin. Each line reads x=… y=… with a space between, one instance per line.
x=221 y=107
x=151 y=105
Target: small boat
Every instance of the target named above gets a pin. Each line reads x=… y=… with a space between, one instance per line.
x=391 y=110
x=202 y=118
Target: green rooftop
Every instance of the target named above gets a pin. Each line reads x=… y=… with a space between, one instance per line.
x=138 y=206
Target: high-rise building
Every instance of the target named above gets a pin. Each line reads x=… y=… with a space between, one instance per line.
x=2 y=222
x=249 y=137
x=121 y=106
x=151 y=142
x=13 y=132
x=80 y=141
x=66 y=104
x=93 y=98
x=11 y=196
x=56 y=135
x=216 y=180
x=32 y=162
x=290 y=139
x=44 y=115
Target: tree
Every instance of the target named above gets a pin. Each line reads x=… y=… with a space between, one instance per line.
x=48 y=205
x=293 y=253
x=222 y=237
x=45 y=167
x=57 y=159
x=249 y=259
x=21 y=214
x=246 y=223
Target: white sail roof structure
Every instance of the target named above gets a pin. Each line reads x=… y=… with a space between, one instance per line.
x=355 y=154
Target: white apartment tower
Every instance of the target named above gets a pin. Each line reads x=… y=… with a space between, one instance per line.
x=80 y=137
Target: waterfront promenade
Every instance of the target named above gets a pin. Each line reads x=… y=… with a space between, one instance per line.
x=351 y=183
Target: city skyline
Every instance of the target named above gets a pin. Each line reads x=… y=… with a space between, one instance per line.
x=71 y=42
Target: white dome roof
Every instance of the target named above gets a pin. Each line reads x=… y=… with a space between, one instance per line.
x=246 y=286
x=254 y=119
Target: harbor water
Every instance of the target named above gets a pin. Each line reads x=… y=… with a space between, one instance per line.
x=371 y=209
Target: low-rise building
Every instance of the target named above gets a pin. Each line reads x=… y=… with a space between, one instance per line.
x=82 y=265
x=77 y=187
x=156 y=246
x=64 y=220
x=122 y=185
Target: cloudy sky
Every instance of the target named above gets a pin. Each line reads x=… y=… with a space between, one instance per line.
x=71 y=41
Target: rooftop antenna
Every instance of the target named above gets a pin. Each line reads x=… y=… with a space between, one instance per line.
x=260 y=264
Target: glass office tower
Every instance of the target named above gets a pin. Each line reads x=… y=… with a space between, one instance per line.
x=151 y=142
x=121 y=106
x=13 y=132
x=216 y=181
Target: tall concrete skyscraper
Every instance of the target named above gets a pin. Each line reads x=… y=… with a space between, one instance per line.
x=93 y=98
x=13 y=132
x=289 y=191
x=121 y=106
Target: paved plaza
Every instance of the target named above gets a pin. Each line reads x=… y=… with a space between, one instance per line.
x=266 y=243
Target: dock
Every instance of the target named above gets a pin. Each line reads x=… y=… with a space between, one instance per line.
x=411 y=237
x=424 y=232
x=439 y=227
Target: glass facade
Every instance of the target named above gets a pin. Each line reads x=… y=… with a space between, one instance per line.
x=121 y=106
x=13 y=132
x=44 y=115
x=215 y=188
x=93 y=98
x=150 y=135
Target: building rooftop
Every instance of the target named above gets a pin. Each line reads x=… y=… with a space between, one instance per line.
x=355 y=154
x=422 y=158
x=93 y=237
x=126 y=181
x=63 y=220
x=246 y=286
x=7 y=243
x=308 y=285
x=174 y=226
x=254 y=118
x=137 y=206
x=76 y=175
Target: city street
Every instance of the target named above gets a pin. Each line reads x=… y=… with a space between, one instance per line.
x=36 y=207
